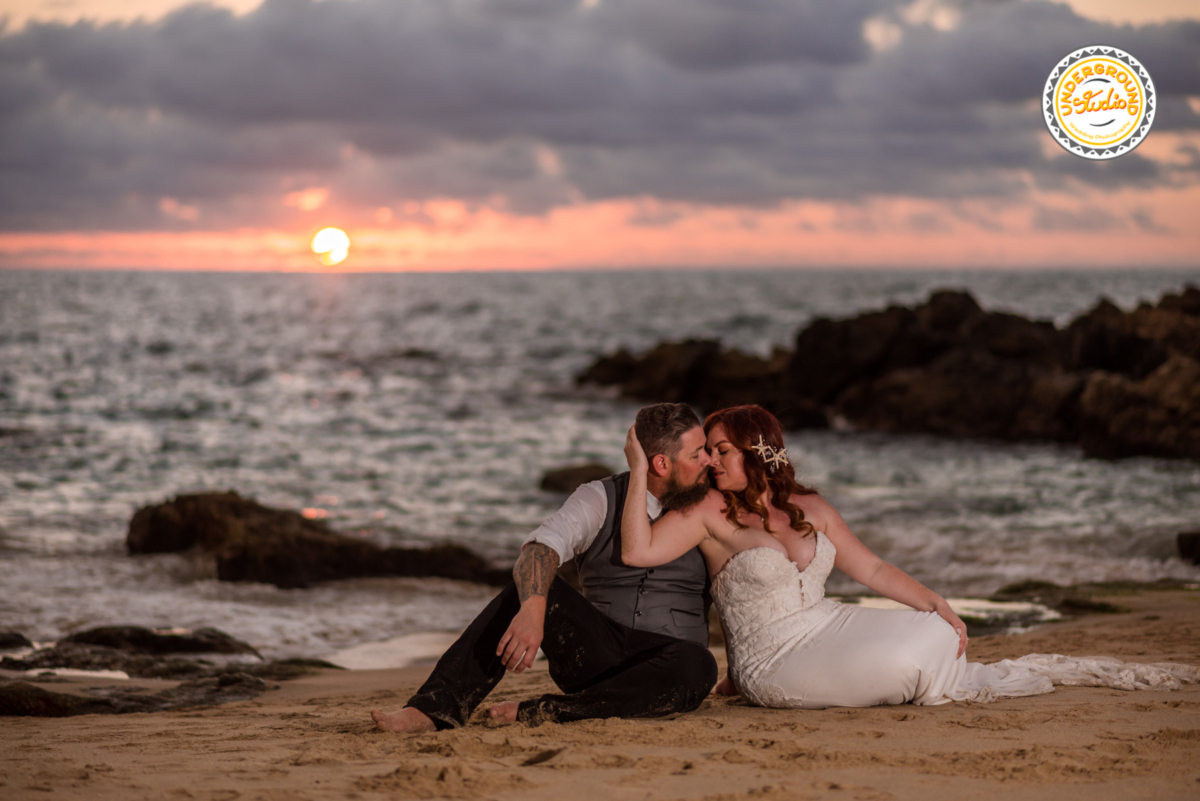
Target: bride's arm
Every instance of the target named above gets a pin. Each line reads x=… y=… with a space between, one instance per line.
x=670 y=538
x=859 y=563
x=725 y=686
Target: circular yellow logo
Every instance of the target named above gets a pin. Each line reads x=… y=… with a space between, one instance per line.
x=1099 y=102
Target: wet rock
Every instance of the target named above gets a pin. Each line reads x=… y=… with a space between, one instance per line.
x=702 y=373
x=284 y=669
x=20 y=698
x=1099 y=340
x=1157 y=416
x=948 y=312
x=1117 y=382
x=1188 y=302
x=1009 y=336
x=77 y=656
x=252 y=542
x=568 y=479
x=1174 y=326
x=230 y=686
x=734 y=378
x=1188 y=543
x=139 y=640
x=671 y=372
x=293 y=564
x=12 y=640
x=966 y=393
x=1051 y=408
x=614 y=370
x=81 y=656
x=1067 y=600
x=831 y=354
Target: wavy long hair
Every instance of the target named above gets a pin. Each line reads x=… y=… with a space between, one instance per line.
x=743 y=426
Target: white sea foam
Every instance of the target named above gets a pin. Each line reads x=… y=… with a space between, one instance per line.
x=91 y=674
x=975 y=607
x=397 y=652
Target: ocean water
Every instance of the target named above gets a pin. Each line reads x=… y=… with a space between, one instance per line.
x=419 y=408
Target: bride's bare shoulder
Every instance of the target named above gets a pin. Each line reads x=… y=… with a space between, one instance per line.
x=816 y=509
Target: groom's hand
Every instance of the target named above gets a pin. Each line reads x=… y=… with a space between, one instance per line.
x=532 y=574
x=521 y=641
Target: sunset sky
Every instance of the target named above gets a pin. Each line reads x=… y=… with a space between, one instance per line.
x=514 y=134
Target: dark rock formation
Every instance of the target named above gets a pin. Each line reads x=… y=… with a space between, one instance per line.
x=671 y=372
x=568 y=479
x=1100 y=340
x=1120 y=383
x=21 y=698
x=945 y=397
x=98 y=657
x=701 y=372
x=142 y=653
x=251 y=542
x=149 y=654
x=1157 y=416
x=1188 y=543
x=139 y=640
x=284 y=669
x=831 y=354
x=1066 y=600
x=12 y=640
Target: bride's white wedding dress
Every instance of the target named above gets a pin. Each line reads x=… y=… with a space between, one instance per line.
x=790 y=646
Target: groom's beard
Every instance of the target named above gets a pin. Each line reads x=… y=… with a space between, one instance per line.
x=677 y=496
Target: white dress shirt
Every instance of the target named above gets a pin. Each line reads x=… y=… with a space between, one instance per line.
x=573 y=528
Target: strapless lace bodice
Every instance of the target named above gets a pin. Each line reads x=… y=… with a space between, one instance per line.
x=768 y=606
x=750 y=575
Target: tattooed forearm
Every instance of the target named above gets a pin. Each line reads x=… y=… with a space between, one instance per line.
x=534 y=570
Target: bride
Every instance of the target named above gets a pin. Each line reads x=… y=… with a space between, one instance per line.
x=770 y=544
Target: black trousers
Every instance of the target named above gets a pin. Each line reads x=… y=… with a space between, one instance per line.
x=604 y=669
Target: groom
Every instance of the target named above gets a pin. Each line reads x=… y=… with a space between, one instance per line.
x=634 y=644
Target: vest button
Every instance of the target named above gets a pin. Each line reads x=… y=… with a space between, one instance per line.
x=641 y=590
x=650 y=571
x=637 y=614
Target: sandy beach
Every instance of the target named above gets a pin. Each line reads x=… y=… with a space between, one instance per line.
x=312 y=738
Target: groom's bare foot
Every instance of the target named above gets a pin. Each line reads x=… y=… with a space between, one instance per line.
x=404 y=721
x=504 y=713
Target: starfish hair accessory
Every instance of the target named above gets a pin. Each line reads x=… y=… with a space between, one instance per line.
x=770 y=455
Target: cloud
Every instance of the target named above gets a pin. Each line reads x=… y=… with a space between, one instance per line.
x=538 y=104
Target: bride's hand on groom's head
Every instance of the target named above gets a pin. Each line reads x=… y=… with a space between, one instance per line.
x=634 y=453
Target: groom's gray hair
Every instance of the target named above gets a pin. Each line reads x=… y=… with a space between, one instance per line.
x=660 y=426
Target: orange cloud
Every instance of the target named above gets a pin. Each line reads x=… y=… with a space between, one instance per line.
x=1127 y=228
x=309 y=199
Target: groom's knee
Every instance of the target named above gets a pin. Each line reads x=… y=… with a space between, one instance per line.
x=694 y=674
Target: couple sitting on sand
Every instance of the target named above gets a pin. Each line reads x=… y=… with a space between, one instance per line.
x=652 y=543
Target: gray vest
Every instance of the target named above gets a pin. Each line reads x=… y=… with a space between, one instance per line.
x=671 y=599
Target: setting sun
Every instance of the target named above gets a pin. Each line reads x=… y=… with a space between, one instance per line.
x=331 y=246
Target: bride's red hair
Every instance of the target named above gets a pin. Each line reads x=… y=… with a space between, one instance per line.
x=743 y=426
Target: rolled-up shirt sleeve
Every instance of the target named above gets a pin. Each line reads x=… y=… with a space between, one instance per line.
x=572 y=529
